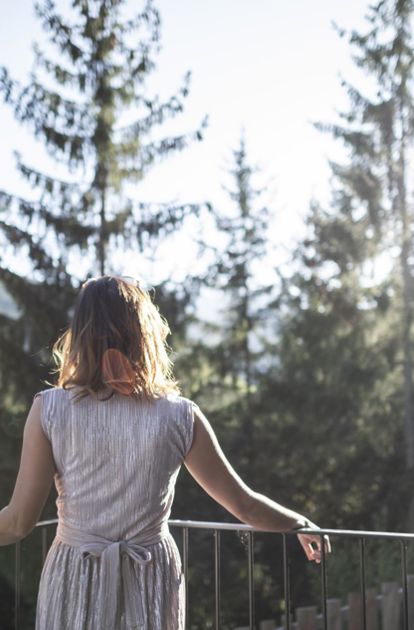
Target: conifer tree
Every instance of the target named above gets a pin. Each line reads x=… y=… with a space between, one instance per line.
x=225 y=367
x=331 y=392
x=378 y=134
x=326 y=439
x=88 y=104
x=345 y=330
x=235 y=274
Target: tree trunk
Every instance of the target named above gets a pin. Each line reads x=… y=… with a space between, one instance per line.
x=406 y=317
x=102 y=229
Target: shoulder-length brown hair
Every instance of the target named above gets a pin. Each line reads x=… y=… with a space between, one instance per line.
x=116 y=340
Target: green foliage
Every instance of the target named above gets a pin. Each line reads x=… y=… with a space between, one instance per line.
x=77 y=103
x=377 y=133
x=87 y=102
x=104 y=61
x=326 y=416
x=326 y=404
x=303 y=378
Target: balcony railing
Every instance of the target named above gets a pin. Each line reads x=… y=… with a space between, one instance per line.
x=396 y=603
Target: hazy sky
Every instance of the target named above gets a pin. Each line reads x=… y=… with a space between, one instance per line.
x=269 y=66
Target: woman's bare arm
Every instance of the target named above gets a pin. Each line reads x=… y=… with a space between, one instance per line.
x=33 y=482
x=210 y=468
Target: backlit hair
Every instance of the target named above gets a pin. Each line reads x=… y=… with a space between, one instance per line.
x=116 y=340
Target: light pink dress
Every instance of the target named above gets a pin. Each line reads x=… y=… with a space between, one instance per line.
x=114 y=564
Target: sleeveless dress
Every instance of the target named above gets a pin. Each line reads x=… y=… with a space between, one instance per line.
x=113 y=564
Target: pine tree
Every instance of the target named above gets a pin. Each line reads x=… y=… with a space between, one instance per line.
x=223 y=362
x=89 y=105
x=378 y=133
x=243 y=229
x=332 y=391
x=325 y=401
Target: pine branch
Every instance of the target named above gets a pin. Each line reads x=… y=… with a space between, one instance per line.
x=158 y=113
x=17 y=366
x=151 y=220
x=62 y=75
x=64 y=220
x=53 y=23
x=34 y=298
x=43 y=105
x=72 y=148
x=48 y=111
x=50 y=184
x=19 y=238
x=160 y=150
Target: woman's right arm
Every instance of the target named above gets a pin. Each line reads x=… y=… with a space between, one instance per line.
x=210 y=468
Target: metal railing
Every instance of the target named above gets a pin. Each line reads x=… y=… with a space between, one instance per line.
x=216 y=528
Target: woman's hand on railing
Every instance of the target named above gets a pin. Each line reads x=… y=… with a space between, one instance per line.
x=312 y=543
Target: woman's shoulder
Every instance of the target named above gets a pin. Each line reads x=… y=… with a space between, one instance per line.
x=175 y=404
x=178 y=399
x=42 y=392
x=50 y=393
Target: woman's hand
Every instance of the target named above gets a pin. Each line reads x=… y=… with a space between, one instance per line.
x=312 y=543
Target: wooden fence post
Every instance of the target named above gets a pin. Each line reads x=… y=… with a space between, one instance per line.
x=372 y=609
x=390 y=606
x=410 y=584
x=333 y=607
x=293 y=624
x=306 y=618
x=355 y=611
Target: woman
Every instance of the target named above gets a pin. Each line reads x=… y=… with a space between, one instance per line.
x=113 y=435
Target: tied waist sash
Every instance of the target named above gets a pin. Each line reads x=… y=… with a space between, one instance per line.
x=110 y=552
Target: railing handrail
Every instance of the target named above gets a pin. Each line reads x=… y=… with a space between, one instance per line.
x=305 y=530
x=220 y=525
x=397 y=599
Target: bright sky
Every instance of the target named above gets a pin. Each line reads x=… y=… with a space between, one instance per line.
x=269 y=66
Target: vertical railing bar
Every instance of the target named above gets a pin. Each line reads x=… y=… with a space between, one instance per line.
x=286 y=583
x=185 y=567
x=363 y=582
x=324 y=589
x=251 y=580
x=217 y=577
x=217 y=583
x=44 y=543
x=404 y=582
x=17 y=585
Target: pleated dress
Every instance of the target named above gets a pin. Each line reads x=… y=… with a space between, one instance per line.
x=114 y=564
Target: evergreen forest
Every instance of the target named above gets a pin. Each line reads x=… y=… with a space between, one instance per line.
x=305 y=373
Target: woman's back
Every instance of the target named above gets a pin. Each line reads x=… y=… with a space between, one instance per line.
x=117 y=463
x=117 y=460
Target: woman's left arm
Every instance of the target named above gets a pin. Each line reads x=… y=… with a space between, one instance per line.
x=33 y=483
